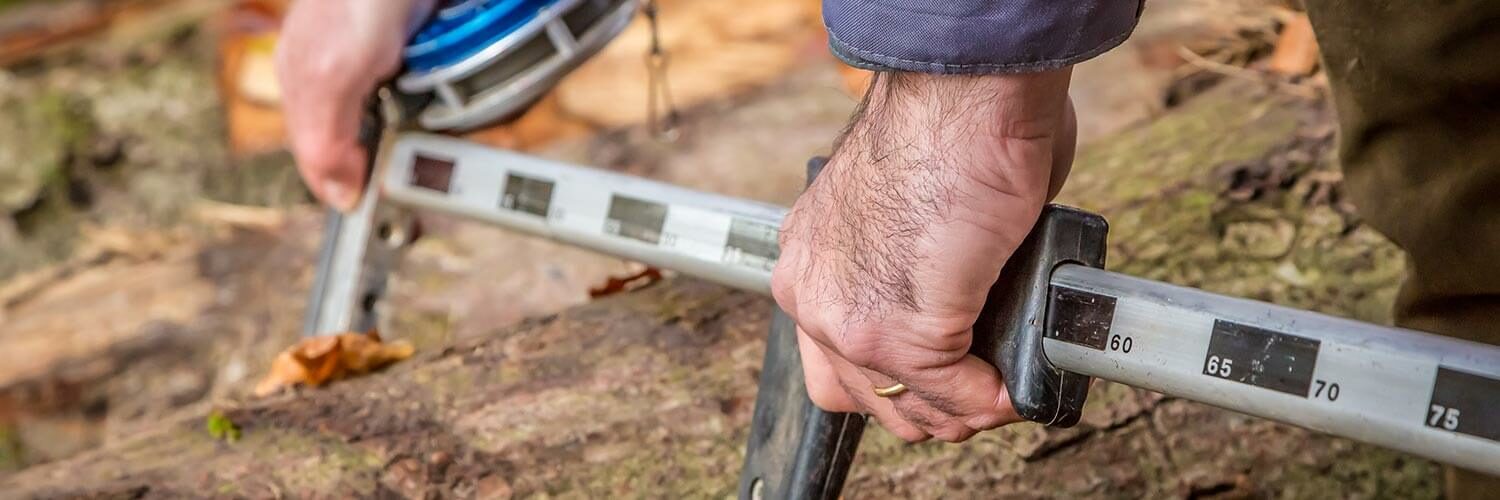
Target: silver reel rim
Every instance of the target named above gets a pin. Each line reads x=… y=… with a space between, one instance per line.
x=452 y=111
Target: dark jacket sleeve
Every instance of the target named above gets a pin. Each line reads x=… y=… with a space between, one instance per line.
x=975 y=36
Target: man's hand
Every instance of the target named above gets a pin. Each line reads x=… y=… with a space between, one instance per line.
x=887 y=258
x=331 y=56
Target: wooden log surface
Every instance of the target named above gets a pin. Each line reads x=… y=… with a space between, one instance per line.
x=649 y=394
x=154 y=324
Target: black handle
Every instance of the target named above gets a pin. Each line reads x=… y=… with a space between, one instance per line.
x=795 y=450
x=1010 y=329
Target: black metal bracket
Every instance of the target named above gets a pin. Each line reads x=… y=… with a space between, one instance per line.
x=796 y=450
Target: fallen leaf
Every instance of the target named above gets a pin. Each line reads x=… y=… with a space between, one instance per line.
x=256 y=80
x=627 y=283
x=1296 y=50
x=246 y=76
x=319 y=360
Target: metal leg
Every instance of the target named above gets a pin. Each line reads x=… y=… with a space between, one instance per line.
x=796 y=451
x=361 y=247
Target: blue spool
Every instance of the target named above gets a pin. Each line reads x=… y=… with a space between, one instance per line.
x=485 y=60
x=462 y=28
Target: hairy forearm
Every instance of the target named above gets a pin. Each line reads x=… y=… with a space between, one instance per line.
x=1011 y=133
x=924 y=150
x=886 y=259
x=964 y=108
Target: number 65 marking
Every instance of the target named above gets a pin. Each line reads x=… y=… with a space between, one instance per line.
x=1444 y=417
x=1217 y=366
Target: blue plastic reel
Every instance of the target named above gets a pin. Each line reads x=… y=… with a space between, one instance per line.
x=487 y=60
x=461 y=28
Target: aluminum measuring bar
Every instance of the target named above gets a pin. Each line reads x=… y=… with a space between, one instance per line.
x=1429 y=395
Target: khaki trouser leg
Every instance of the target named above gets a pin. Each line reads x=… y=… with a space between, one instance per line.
x=1417 y=88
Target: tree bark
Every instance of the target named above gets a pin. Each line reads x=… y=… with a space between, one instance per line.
x=649 y=394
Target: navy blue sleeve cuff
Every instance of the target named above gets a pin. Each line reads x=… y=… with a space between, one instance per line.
x=975 y=36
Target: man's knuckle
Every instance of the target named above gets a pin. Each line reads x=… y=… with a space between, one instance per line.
x=787 y=236
x=907 y=432
x=322 y=67
x=829 y=397
x=985 y=421
x=783 y=287
x=953 y=433
x=330 y=67
x=859 y=343
x=999 y=414
x=316 y=156
x=872 y=347
x=814 y=323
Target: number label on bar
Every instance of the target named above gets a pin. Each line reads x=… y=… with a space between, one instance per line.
x=1262 y=358
x=752 y=244
x=431 y=172
x=1465 y=403
x=1083 y=318
x=636 y=219
x=527 y=195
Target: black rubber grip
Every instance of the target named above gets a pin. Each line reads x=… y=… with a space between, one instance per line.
x=1009 y=331
x=795 y=450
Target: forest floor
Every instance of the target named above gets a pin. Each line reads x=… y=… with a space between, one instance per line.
x=151 y=273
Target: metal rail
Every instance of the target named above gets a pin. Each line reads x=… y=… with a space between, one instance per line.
x=1433 y=396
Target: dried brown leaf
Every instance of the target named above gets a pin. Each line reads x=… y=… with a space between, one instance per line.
x=636 y=281
x=319 y=360
x=1296 y=51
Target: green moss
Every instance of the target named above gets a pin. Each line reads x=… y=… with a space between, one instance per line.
x=314 y=464
x=43 y=131
x=1361 y=471
x=426 y=330
x=44 y=127
x=12 y=457
x=1159 y=187
x=221 y=428
x=446 y=385
x=163 y=114
x=266 y=180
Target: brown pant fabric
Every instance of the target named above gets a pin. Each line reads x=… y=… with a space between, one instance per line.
x=1417 y=87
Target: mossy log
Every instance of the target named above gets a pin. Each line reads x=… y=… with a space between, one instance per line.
x=649 y=394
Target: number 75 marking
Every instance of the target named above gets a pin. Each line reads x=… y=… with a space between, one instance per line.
x=1442 y=417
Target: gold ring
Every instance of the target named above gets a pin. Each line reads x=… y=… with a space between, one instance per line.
x=892 y=391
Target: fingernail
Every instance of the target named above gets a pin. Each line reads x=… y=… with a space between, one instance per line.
x=339 y=195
